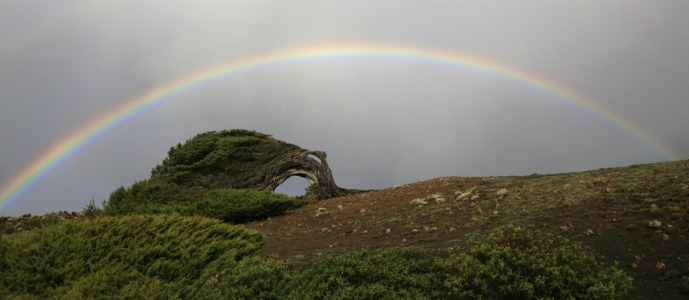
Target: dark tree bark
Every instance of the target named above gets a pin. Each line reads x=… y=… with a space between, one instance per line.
x=317 y=172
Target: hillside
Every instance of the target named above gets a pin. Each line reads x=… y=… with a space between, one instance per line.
x=206 y=225
x=634 y=215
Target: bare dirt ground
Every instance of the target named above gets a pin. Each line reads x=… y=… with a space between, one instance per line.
x=636 y=216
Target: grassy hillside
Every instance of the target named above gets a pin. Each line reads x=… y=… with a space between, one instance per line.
x=602 y=234
x=636 y=216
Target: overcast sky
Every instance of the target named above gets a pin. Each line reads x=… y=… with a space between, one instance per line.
x=383 y=122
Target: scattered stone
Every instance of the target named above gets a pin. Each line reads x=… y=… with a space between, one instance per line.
x=589 y=232
x=660 y=266
x=439 y=199
x=463 y=195
x=414 y=230
x=655 y=224
x=501 y=193
x=495 y=212
x=479 y=210
x=321 y=212
x=632 y=227
x=452 y=229
x=654 y=207
x=665 y=237
x=633 y=265
x=404 y=240
x=418 y=201
x=565 y=228
x=340 y=207
x=363 y=210
x=388 y=231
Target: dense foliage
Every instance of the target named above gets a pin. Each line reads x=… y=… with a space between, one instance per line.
x=519 y=263
x=230 y=205
x=198 y=258
x=110 y=255
x=241 y=206
x=395 y=273
x=199 y=177
x=221 y=159
x=509 y=263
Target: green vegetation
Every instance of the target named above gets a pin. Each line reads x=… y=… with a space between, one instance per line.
x=230 y=205
x=204 y=176
x=518 y=263
x=241 y=206
x=119 y=255
x=198 y=258
x=394 y=273
x=28 y=222
x=509 y=263
x=221 y=159
x=168 y=237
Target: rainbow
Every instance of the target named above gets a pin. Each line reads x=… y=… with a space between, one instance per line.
x=65 y=148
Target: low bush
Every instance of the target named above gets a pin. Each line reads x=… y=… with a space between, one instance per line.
x=395 y=273
x=175 y=257
x=253 y=277
x=150 y=197
x=520 y=263
x=230 y=205
x=10 y=225
x=123 y=255
x=508 y=263
x=240 y=206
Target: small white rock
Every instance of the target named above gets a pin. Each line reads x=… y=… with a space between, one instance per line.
x=418 y=201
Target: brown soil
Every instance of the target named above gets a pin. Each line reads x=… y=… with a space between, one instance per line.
x=610 y=210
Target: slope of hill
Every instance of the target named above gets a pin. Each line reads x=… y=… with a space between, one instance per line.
x=634 y=215
x=507 y=236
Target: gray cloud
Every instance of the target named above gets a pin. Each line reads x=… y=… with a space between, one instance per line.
x=383 y=122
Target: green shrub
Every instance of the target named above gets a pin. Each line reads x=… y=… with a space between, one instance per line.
x=10 y=225
x=230 y=205
x=113 y=282
x=519 y=263
x=93 y=211
x=253 y=277
x=509 y=263
x=395 y=273
x=685 y=284
x=131 y=253
x=149 y=196
x=240 y=206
